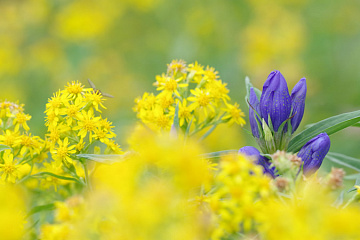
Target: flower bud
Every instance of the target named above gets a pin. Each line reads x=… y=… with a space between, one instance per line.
x=275 y=100
x=261 y=160
x=298 y=95
x=253 y=109
x=313 y=152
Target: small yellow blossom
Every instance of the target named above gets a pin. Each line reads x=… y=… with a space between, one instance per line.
x=9 y=170
x=95 y=99
x=201 y=99
x=9 y=138
x=234 y=114
x=74 y=89
x=20 y=120
x=62 y=152
x=184 y=112
x=87 y=123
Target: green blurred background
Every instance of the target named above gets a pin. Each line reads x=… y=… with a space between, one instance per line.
x=122 y=45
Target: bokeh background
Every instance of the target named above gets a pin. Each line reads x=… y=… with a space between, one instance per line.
x=122 y=45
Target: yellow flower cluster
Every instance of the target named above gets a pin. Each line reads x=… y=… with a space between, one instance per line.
x=145 y=197
x=309 y=214
x=21 y=147
x=74 y=123
x=191 y=98
x=240 y=191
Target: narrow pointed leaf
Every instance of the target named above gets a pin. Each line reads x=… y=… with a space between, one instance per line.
x=248 y=86
x=3 y=147
x=41 y=208
x=344 y=160
x=330 y=125
x=218 y=154
x=57 y=176
x=104 y=158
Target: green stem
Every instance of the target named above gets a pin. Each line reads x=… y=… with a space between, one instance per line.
x=87 y=179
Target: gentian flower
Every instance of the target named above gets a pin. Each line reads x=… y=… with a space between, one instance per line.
x=313 y=152
x=261 y=160
x=275 y=100
x=276 y=111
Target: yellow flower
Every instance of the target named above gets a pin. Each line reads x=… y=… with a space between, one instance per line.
x=72 y=111
x=103 y=136
x=9 y=170
x=113 y=147
x=87 y=124
x=197 y=70
x=162 y=120
x=9 y=138
x=28 y=143
x=56 y=131
x=55 y=103
x=63 y=151
x=184 y=112
x=176 y=66
x=171 y=85
x=218 y=90
x=95 y=99
x=210 y=74
x=146 y=102
x=165 y=99
x=20 y=120
x=201 y=99
x=74 y=89
x=234 y=114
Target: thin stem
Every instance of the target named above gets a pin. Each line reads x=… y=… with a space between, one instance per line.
x=87 y=178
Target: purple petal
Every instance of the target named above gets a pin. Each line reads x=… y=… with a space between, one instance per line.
x=298 y=95
x=261 y=160
x=275 y=100
x=314 y=152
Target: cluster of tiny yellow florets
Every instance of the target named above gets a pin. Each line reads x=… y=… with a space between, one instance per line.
x=193 y=94
x=240 y=191
x=74 y=123
x=22 y=149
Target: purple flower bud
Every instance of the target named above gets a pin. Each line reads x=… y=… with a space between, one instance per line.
x=254 y=106
x=313 y=152
x=298 y=95
x=261 y=160
x=275 y=100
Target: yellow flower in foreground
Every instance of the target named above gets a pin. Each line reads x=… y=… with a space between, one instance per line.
x=63 y=151
x=9 y=170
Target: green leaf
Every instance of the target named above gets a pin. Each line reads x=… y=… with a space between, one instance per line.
x=356 y=125
x=218 y=154
x=344 y=160
x=248 y=86
x=352 y=176
x=104 y=158
x=176 y=118
x=37 y=209
x=3 y=147
x=330 y=125
x=40 y=174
